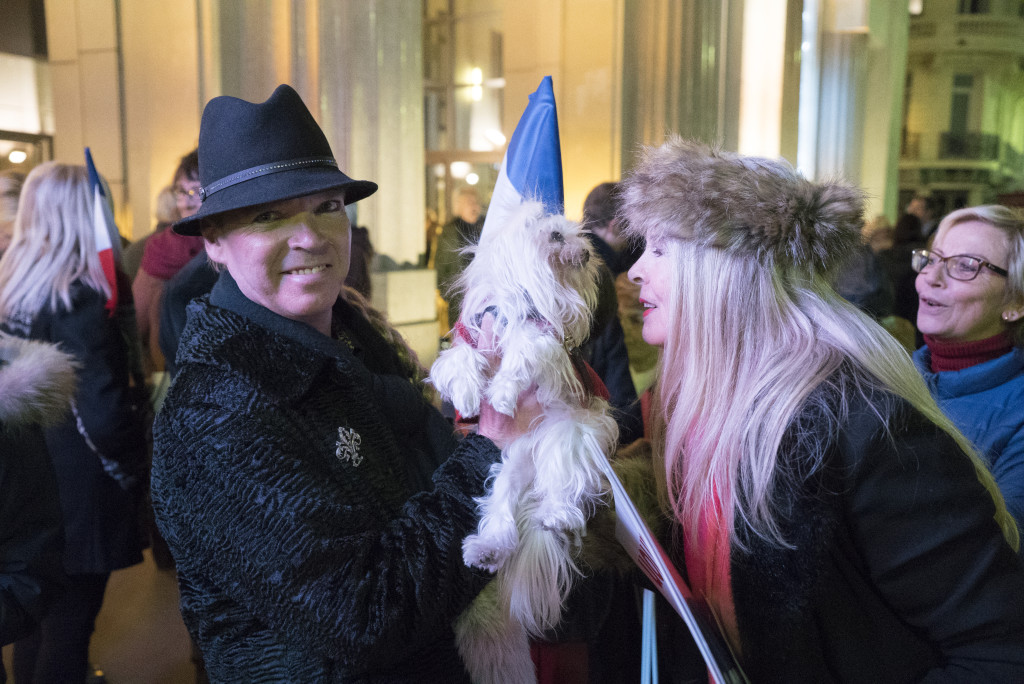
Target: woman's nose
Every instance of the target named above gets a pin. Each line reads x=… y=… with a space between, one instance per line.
x=934 y=274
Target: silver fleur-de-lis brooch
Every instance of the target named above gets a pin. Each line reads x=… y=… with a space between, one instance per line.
x=348 y=446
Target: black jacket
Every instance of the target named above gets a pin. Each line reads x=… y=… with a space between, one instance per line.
x=898 y=572
x=314 y=502
x=99 y=450
x=36 y=385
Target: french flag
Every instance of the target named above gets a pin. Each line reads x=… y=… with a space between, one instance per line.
x=108 y=241
x=532 y=167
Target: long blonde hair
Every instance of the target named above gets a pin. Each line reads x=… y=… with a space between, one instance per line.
x=53 y=245
x=757 y=331
x=750 y=346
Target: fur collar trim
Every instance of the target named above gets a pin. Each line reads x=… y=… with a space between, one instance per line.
x=37 y=381
x=751 y=207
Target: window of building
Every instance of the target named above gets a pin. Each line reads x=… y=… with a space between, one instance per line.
x=974 y=6
x=23 y=151
x=960 y=105
x=464 y=85
x=956 y=142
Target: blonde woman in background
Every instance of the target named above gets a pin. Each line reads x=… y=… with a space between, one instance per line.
x=52 y=288
x=836 y=522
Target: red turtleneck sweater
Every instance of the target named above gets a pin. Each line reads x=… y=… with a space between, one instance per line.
x=954 y=356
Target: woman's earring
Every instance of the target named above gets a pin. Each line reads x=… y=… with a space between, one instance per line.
x=1011 y=316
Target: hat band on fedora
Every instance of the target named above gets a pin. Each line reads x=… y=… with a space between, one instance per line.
x=263 y=170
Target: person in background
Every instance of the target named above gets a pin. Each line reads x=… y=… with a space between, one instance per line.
x=971 y=285
x=839 y=526
x=166 y=214
x=359 y=271
x=925 y=208
x=37 y=382
x=879 y=234
x=10 y=189
x=605 y=350
x=606 y=229
x=164 y=255
x=864 y=282
x=53 y=289
x=462 y=231
x=314 y=500
x=896 y=260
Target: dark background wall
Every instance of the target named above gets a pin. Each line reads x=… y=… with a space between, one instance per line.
x=23 y=28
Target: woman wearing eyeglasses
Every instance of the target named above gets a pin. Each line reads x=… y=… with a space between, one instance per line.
x=971 y=288
x=165 y=254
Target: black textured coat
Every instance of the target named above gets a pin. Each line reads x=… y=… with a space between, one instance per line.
x=101 y=517
x=299 y=561
x=36 y=382
x=898 y=572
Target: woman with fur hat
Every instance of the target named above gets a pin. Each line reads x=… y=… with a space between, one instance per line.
x=314 y=501
x=837 y=523
x=37 y=382
x=53 y=289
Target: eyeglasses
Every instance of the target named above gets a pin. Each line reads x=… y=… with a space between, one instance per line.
x=958 y=266
x=186 y=193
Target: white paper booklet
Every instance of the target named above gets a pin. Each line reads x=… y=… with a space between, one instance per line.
x=633 y=533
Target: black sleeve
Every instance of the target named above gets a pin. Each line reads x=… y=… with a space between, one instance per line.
x=31 y=532
x=925 y=528
x=106 y=407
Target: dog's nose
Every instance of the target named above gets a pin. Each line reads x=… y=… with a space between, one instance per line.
x=557 y=237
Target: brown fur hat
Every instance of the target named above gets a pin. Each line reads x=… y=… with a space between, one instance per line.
x=750 y=206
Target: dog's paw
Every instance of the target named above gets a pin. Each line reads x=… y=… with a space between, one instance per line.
x=484 y=553
x=553 y=516
x=503 y=395
x=465 y=398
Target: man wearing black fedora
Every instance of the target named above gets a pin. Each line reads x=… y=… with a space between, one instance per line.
x=314 y=501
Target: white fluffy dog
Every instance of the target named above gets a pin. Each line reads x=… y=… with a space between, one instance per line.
x=538 y=278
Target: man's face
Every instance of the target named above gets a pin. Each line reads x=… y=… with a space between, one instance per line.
x=467 y=207
x=919 y=208
x=290 y=256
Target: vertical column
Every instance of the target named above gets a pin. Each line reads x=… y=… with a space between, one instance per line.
x=84 y=66
x=371 y=84
x=883 y=109
x=160 y=45
x=680 y=72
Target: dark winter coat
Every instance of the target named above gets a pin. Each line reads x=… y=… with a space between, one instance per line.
x=898 y=572
x=986 y=402
x=606 y=353
x=314 y=502
x=99 y=450
x=36 y=385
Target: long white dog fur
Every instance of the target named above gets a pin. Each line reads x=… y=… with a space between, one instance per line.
x=538 y=278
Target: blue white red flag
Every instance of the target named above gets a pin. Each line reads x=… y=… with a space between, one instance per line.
x=532 y=167
x=108 y=240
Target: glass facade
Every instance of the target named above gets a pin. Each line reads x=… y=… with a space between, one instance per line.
x=463 y=99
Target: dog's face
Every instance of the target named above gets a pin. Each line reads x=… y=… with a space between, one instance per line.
x=536 y=265
x=563 y=246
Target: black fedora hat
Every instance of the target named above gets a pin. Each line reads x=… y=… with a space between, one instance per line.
x=253 y=153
